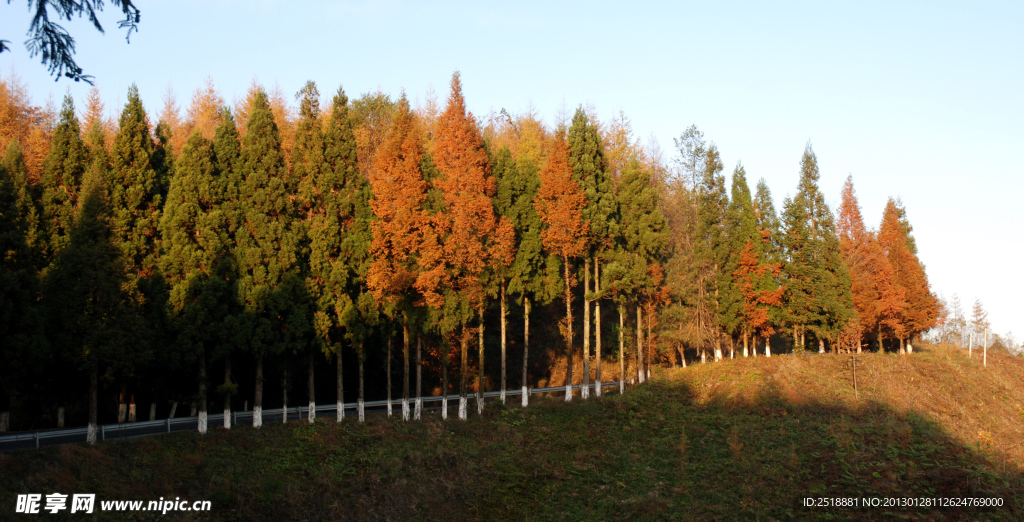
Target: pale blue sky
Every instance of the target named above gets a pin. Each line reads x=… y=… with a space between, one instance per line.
x=922 y=100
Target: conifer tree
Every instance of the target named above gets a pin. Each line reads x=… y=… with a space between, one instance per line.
x=92 y=307
x=590 y=168
x=62 y=178
x=643 y=239
x=920 y=308
x=771 y=252
x=533 y=275
x=741 y=222
x=27 y=196
x=712 y=245
x=877 y=300
x=19 y=259
x=135 y=188
x=270 y=288
x=559 y=202
x=195 y=262
x=399 y=192
x=469 y=233
x=817 y=280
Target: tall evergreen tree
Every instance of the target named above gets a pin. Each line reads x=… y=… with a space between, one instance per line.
x=590 y=168
x=712 y=246
x=533 y=275
x=195 y=262
x=771 y=252
x=741 y=223
x=818 y=282
x=920 y=308
x=92 y=307
x=270 y=287
x=560 y=200
x=28 y=196
x=63 y=169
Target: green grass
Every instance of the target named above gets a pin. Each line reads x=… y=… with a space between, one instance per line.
x=745 y=439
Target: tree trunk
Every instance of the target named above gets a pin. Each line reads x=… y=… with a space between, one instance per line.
x=341 y=387
x=821 y=346
x=767 y=346
x=585 y=389
x=526 y=349
x=622 y=349
x=639 y=343
x=203 y=420
x=152 y=413
x=360 y=410
x=311 y=414
x=94 y=378
x=650 y=343
x=227 y=393
x=284 y=394
x=389 y=374
x=257 y=401
x=732 y=347
x=405 y=368
x=419 y=378
x=444 y=384
x=480 y=373
x=174 y=409
x=718 y=346
x=462 y=373
x=746 y=353
x=597 y=329
x=568 y=333
x=503 y=374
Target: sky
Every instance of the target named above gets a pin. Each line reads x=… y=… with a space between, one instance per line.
x=918 y=100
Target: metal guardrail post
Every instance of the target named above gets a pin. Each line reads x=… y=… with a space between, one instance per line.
x=168 y=424
x=103 y=432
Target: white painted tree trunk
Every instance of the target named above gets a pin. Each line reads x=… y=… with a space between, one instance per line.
x=389 y=375
x=405 y=371
x=622 y=349
x=639 y=344
x=526 y=348
x=745 y=353
x=90 y=433
x=568 y=392
x=597 y=329
x=462 y=408
x=481 y=376
x=585 y=387
x=767 y=347
x=359 y=402
x=227 y=396
x=202 y=422
x=311 y=412
x=503 y=372
x=227 y=419
x=568 y=330
x=257 y=401
x=340 y=408
x=202 y=392
x=361 y=411
x=419 y=379
x=284 y=394
x=525 y=393
x=405 y=410
x=444 y=407
x=821 y=346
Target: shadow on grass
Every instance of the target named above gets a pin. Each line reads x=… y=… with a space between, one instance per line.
x=666 y=450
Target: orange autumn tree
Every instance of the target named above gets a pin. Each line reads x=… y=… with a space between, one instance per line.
x=560 y=201
x=920 y=309
x=877 y=300
x=399 y=192
x=755 y=281
x=470 y=239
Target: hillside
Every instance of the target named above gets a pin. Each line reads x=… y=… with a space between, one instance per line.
x=747 y=438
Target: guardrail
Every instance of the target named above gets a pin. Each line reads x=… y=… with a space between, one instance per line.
x=27 y=440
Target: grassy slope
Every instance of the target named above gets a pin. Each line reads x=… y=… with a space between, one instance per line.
x=740 y=439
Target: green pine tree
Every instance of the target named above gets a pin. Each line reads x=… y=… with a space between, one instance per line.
x=741 y=226
x=195 y=260
x=590 y=167
x=818 y=282
x=270 y=286
x=92 y=308
x=62 y=179
x=712 y=247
